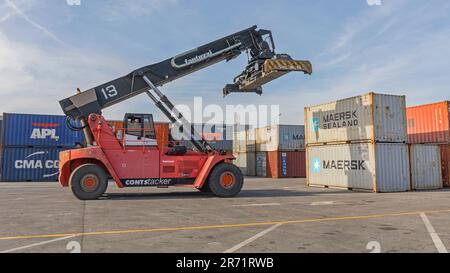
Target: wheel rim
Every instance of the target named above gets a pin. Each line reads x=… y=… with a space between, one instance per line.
x=227 y=180
x=89 y=183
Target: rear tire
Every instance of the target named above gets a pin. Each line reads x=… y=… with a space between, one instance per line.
x=88 y=182
x=226 y=180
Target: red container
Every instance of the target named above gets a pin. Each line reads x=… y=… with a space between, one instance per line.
x=286 y=164
x=429 y=123
x=445 y=160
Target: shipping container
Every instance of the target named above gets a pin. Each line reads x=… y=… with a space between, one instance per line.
x=286 y=164
x=244 y=141
x=280 y=138
x=210 y=132
x=223 y=145
x=370 y=117
x=1 y=135
x=425 y=161
x=246 y=162
x=28 y=130
x=30 y=164
x=261 y=164
x=429 y=123
x=445 y=163
x=381 y=167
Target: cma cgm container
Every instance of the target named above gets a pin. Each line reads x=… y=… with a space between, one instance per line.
x=380 y=167
x=429 y=123
x=445 y=164
x=38 y=131
x=30 y=164
x=425 y=163
x=278 y=164
x=244 y=141
x=280 y=138
x=246 y=162
x=370 y=117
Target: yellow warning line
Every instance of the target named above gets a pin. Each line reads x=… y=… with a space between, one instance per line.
x=314 y=220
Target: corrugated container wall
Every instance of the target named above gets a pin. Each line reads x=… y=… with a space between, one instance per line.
x=261 y=164
x=39 y=131
x=370 y=117
x=286 y=164
x=246 y=162
x=1 y=135
x=219 y=136
x=361 y=166
x=445 y=163
x=425 y=163
x=30 y=164
x=244 y=141
x=280 y=138
x=429 y=123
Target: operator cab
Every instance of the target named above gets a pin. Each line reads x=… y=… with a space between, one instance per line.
x=139 y=130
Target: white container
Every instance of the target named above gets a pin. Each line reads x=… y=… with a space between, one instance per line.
x=360 y=166
x=244 y=141
x=246 y=162
x=261 y=164
x=280 y=138
x=425 y=163
x=370 y=117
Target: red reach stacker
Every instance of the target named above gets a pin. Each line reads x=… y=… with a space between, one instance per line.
x=134 y=159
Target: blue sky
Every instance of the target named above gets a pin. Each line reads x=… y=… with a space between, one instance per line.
x=49 y=48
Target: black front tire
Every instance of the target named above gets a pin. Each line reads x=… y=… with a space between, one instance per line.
x=88 y=182
x=205 y=187
x=226 y=180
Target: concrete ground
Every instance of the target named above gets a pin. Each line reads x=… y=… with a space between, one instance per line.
x=268 y=216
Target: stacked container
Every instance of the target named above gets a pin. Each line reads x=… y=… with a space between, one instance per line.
x=219 y=136
x=244 y=150
x=358 y=143
x=429 y=125
x=30 y=146
x=280 y=151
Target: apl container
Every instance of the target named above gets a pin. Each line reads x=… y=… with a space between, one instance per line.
x=429 y=123
x=246 y=162
x=445 y=164
x=280 y=138
x=39 y=131
x=370 y=117
x=425 y=163
x=377 y=167
x=30 y=164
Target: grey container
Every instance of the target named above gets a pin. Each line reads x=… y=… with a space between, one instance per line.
x=246 y=162
x=261 y=164
x=280 y=138
x=379 y=167
x=370 y=117
x=426 y=172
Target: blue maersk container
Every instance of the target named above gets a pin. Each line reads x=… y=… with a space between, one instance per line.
x=26 y=130
x=30 y=164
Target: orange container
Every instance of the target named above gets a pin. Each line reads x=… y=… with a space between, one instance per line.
x=286 y=164
x=429 y=123
x=445 y=161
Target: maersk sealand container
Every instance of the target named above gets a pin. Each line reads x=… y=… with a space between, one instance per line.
x=30 y=164
x=27 y=130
